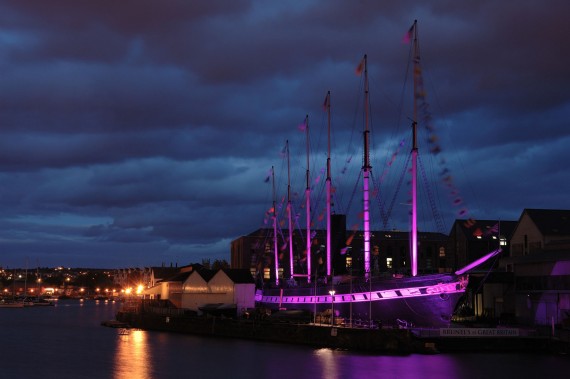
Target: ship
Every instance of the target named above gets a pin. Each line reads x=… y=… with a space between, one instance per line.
x=413 y=300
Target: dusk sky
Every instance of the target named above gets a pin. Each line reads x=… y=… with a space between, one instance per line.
x=140 y=132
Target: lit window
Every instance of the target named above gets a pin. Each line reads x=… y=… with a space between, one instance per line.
x=442 y=252
x=348 y=262
x=388 y=262
x=266 y=273
x=503 y=241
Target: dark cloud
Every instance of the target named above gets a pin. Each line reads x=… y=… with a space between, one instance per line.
x=141 y=132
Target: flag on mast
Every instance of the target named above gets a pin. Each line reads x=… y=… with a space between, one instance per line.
x=326 y=103
x=408 y=36
x=360 y=67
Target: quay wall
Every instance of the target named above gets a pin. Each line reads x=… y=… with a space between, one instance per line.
x=384 y=341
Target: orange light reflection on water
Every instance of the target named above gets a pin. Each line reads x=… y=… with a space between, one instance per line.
x=132 y=358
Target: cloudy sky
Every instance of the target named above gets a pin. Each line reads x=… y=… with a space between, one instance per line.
x=138 y=132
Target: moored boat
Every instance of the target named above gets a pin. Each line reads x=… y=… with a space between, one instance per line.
x=11 y=304
x=426 y=300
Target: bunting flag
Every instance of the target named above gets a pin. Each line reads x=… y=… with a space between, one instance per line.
x=408 y=36
x=327 y=102
x=345 y=168
x=266 y=180
x=432 y=138
x=302 y=126
x=360 y=67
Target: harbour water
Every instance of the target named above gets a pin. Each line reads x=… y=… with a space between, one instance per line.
x=68 y=341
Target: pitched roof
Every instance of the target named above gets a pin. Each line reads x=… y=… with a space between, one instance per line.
x=239 y=275
x=206 y=273
x=550 y=221
x=180 y=277
x=164 y=272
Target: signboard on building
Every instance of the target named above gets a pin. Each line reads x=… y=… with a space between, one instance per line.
x=478 y=332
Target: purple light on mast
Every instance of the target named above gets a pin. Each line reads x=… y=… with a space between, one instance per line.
x=275 y=245
x=414 y=212
x=414 y=231
x=366 y=175
x=289 y=213
x=308 y=205
x=328 y=184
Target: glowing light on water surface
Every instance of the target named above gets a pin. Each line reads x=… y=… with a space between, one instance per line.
x=132 y=359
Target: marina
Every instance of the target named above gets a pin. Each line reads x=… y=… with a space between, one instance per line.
x=67 y=341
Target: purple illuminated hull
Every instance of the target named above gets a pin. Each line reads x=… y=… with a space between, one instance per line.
x=422 y=301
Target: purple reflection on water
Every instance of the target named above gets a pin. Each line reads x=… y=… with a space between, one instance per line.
x=339 y=365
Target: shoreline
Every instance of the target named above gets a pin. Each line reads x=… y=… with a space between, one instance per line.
x=384 y=341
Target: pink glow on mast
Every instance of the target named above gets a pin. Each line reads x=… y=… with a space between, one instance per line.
x=275 y=244
x=366 y=175
x=414 y=231
x=308 y=205
x=328 y=185
x=414 y=236
x=289 y=213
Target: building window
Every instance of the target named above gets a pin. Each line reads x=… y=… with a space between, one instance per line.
x=502 y=241
x=442 y=252
x=267 y=273
x=348 y=262
x=389 y=262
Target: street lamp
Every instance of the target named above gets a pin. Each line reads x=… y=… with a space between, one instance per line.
x=332 y=292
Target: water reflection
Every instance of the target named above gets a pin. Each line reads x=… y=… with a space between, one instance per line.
x=329 y=363
x=132 y=358
x=334 y=364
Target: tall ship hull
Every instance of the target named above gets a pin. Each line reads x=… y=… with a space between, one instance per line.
x=423 y=301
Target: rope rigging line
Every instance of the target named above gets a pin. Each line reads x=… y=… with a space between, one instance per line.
x=436 y=216
x=398 y=187
x=381 y=204
x=353 y=192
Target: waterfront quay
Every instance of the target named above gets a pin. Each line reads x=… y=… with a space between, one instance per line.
x=386 y=340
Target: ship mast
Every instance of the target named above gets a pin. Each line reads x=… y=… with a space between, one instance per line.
x=328 y=184
x=289 y=212
x=308 y=204
x=275 y=245
x=366 y=169
x=414 y=231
